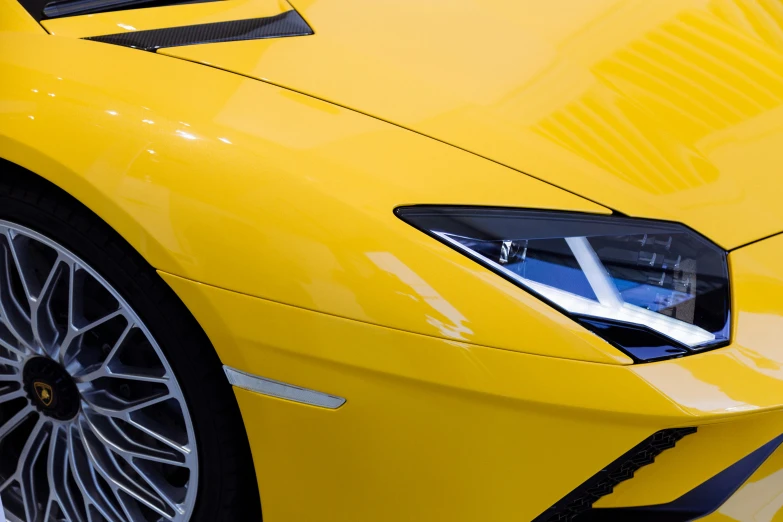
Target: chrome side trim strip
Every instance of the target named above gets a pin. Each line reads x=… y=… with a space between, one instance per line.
x=281 y=390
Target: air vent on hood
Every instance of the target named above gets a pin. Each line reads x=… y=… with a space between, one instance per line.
x=289 y=23
x=155 y=24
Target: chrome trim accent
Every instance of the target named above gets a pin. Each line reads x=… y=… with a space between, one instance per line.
x=281 y=390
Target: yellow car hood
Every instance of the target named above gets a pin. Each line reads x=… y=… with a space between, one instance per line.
x=668 y=109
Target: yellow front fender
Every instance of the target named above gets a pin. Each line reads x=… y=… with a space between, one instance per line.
x=249 y=187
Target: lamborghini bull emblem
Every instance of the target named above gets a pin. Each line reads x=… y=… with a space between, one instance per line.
x=44 y=392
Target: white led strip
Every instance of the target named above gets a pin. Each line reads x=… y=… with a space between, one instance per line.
x=610 y=304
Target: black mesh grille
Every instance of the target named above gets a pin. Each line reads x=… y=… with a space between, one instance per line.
x=289 y=23
x=581 y=500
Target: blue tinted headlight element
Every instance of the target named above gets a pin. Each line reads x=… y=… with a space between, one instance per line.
x=653 y=289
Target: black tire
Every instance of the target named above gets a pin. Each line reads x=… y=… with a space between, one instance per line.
x=227 y=488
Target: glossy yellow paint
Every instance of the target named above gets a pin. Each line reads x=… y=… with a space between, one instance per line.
x=754 y=361
x=248 y=187
x=428 y=419
x=668 y=109
x=760 y=499
x=747 y=376
x=166 y=16
x=13 y=18
x=431 y=430
x=694 y=459
x=270 y=214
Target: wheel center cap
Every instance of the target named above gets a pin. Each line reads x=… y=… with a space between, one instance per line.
x=50 y=388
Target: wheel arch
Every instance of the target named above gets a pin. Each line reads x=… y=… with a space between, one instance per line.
x=26 y=191
x=18 y=157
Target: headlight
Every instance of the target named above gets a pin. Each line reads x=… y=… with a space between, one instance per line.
x=653 y=289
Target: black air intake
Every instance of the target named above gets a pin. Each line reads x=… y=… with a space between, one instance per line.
x=581 y=500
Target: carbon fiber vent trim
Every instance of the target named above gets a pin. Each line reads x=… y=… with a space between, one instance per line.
x=581 y=499
x=289 y=23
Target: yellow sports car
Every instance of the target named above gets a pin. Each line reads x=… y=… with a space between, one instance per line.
x=391 y=260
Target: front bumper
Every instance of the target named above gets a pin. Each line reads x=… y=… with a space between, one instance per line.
x=442 y=430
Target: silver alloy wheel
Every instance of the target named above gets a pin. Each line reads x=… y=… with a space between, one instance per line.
x=93 y=424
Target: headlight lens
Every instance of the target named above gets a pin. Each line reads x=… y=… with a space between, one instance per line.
x=653 y=289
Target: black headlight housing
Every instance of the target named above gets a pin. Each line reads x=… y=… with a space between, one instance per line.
x=653 y=289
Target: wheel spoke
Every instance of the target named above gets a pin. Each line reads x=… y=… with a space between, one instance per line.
x=57 y=472
x=8 y=377
x=160 y=437
x=119 y=408
x=151 y=489
x=50 y=506
x=44 y=327
x=117 y=443
x=25 y=468
x=50 y=281
x=137 y=374
x=72 y=267
x=124 y=373
x=98 y=322
x=105 y=464
x=71 y=330
x=12 y=348
x=96 y=371
x=13 y=313
x=74 y=332
x=163 y=489
x=19 y=270
x=7 y=395
x=14 y=422
x=86 y=479
x=67 y=478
